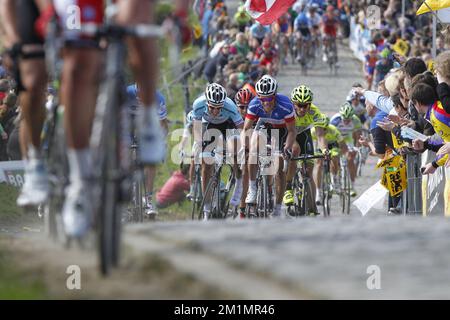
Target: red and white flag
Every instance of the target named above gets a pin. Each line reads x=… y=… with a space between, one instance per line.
x=267 y=11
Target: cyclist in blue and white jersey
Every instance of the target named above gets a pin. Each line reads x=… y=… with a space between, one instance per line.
x=214 y=115
x=302 y=29
x=150 y=170
x=277 y=111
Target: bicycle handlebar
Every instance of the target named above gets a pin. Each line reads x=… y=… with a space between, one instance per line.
x=140 y=30
x=307 y=157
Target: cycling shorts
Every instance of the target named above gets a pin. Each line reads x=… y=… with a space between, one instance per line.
x=305 y=141
x=28 y=13
x=209 y=139
x=330 y=32
x=74 y=13
x=305 y=32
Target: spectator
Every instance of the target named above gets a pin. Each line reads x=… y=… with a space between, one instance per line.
x=3 y=72
x=241 y=45
x=174 y=189
x=383 y=66
x=414 y=66
x=233 y=85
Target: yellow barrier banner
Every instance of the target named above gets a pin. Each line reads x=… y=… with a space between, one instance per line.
x=394 y=175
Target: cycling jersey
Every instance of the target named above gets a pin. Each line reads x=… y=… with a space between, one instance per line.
x=302 y=22
x=330 y=25
x=90 y=11
x=284 y=23
x=312 y=118
x=282 y=113
x=314 y=20
x=259 y=31
x=132 y=92
x=228 y=113
x=346 y=129
x=332 y=135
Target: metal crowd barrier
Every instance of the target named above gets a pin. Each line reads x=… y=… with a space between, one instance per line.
x=412 y=197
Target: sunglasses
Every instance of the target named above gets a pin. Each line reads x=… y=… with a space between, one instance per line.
x=267 y=99
x=303 y=106
x=242 y=107
x=214 y=107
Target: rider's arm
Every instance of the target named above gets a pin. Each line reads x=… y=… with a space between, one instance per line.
x=292 y=132
x=247 y=126
x=322 y=142
x=343 y=146
x=356 y=135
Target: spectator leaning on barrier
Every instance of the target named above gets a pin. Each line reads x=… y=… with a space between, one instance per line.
x=425 y=100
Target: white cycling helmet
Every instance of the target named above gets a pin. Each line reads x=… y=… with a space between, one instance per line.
x=266 y=86
x=215 y=94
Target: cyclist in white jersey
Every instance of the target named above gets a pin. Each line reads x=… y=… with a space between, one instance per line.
x=349 y=126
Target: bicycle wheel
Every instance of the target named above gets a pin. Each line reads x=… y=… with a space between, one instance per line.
x=211 y=194
x=326 y=192
x=56 y=157
x=229 y=190
x=347 y=192
x=262 y=201
x=297 y=189
x=106 y=143
x=196 y=196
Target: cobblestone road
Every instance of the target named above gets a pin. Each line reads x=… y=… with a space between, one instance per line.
x=339 y=257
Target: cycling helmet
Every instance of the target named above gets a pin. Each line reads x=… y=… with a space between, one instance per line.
x=346 y=111
x=243 y=97
x=322 y=122
x=266 y=86
x=302 y=94
x=215 y=94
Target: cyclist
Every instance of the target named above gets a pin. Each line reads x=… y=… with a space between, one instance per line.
x=213 y=112
x=370 y=61
x=277 y=112
x=257 y=33
x=358 y=103
x=349 y=125
x=267 y=56
x=307 y=115
x=336 y=146
x=24 y=56
x=150 y=170
x=80 y=79
x=282 y=28
x=330 y=23
x=242 y=99
x=316 y=20
x=302 y=26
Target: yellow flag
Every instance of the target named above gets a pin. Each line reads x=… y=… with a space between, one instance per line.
x=401 y=47
x=434 y=5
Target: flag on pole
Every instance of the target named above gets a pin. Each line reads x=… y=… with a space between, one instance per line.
x=267 y=11
x=434 y=5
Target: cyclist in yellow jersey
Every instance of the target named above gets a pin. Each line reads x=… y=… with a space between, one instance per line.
x=336 y=146
x=307 y=115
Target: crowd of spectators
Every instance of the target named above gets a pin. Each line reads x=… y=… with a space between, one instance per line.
x=9 y=129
